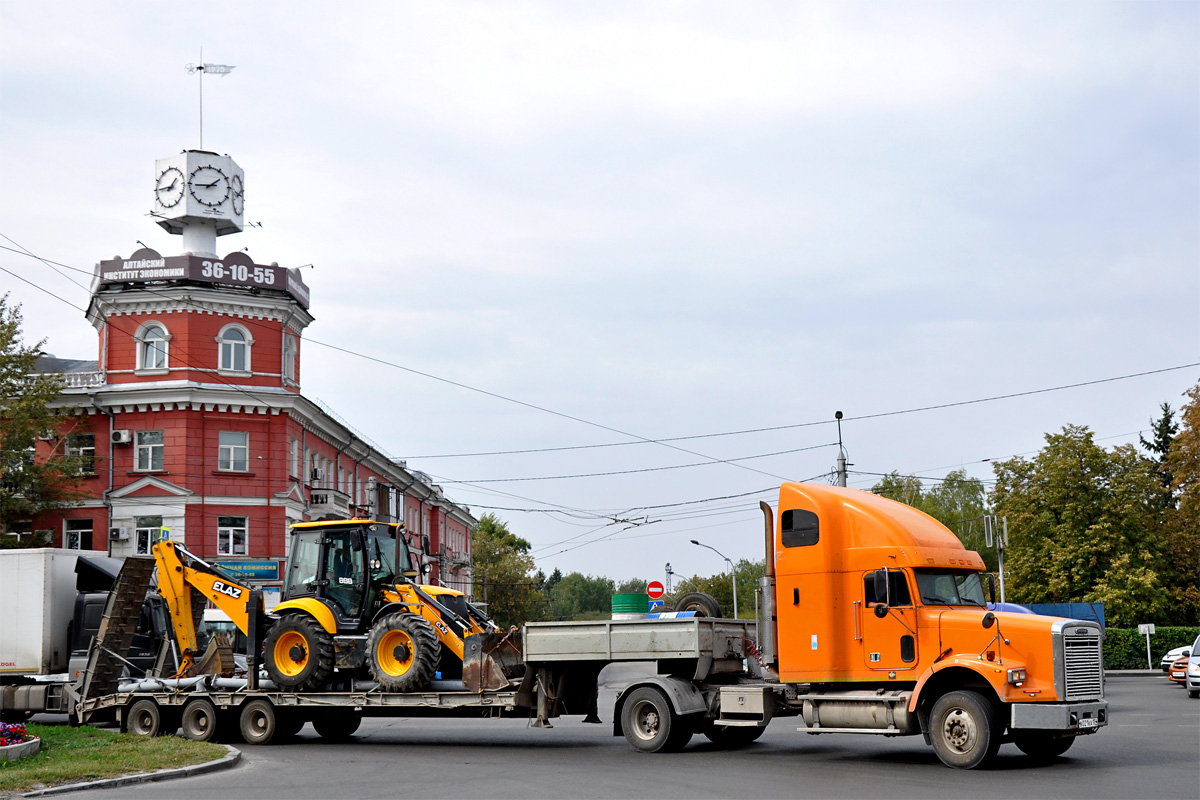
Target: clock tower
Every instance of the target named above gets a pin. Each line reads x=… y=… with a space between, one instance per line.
x=199 y=195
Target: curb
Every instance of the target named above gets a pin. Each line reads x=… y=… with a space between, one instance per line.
x=227 y=761
x=1144 y=673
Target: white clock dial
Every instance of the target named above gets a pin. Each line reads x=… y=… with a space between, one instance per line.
x=208 y=186
x=168 y=189
x=238 y=192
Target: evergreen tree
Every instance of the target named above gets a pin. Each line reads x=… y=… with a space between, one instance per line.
x=1162 y=433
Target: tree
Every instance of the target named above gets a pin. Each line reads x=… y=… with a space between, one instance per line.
x=1163 y=432
x=579 y=596
x=31 y=482
x=1182 y=528
x=721 y=587
x=1084 y=526
x=505 y=575
x=956 y=501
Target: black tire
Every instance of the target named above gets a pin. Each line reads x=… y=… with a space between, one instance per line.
x=337 y=726
x=1193 y=693
x=705 y=605
x=731 y=737
x=651 y=725
x=298 y=653
x=1042 y=745
x=963 y=728
x=15 y=717
x=199 y=721
x=257 y=722
x=287 y=724
x=402 y=652
x=143 y=718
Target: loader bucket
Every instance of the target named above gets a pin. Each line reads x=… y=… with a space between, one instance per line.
x=492 y=661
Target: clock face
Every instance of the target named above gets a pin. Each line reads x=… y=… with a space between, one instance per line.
x=168 y=189
x=209 y=186
x=239 y=194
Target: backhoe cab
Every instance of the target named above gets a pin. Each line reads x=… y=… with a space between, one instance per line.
x=351 y=602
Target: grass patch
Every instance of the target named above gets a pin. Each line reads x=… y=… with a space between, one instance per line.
x=71 y=755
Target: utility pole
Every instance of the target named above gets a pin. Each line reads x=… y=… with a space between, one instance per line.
x=1000 y=535
x=841 y=459
x=670 y=574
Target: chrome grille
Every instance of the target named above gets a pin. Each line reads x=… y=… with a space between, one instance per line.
x=1083 y=663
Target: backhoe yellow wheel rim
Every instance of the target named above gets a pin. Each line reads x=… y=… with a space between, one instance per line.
x=291 y=653
x=395 y=653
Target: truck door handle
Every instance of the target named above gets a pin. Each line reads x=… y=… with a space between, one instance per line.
x=795 y=597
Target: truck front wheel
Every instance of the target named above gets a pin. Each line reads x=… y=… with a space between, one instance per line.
x=1042 y=745
x=651 y=725
x=962 y=726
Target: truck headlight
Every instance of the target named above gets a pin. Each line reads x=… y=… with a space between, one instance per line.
x=1016 y=676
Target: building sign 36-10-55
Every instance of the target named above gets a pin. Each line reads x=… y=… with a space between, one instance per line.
x=236 y=269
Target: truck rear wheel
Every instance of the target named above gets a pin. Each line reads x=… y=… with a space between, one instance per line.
x=144 y=719
x=1042 y=745
x=962 y=726
x=731 y=737
x=337 y=726
x=258 y=722
x=651 y=725
x=199 y=721
x=705 y=605
x=298 y=653
x=402 y=652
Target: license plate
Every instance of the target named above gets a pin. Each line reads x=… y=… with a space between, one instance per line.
x=1176 y=674
x=1089 y=722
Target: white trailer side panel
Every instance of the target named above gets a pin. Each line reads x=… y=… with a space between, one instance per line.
x=39 y=597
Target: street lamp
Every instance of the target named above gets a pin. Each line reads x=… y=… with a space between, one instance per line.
x=732 y=574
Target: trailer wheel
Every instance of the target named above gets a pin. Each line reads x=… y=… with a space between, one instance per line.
x=962 y=726
x=402 y=652
x=651 y=725
x=258 y=722
x=144 y=719
x=199 y=720
x=731 y=737
x=337 y=726
x=287 y=724
x=298 y=653
x=705 y=605
x=1042 y=745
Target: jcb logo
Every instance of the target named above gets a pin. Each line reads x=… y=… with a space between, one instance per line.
x=226 y=589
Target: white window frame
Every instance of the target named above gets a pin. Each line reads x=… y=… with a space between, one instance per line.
x=138 y=447
x=146 y=536
x=294 y=458
x=223 y=342
x=227 y=529
x=87 y=452
x=143 y=349
x=289 y=357
x=227 y=452
x=67 y=533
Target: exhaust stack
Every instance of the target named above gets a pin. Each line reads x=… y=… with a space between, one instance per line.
x=767 y=636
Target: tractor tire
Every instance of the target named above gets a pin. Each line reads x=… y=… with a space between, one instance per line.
x=728 y=737
x=964 y=730
x=705 y=605
x=402 y=652
x=298 y=653
x=1042 y=745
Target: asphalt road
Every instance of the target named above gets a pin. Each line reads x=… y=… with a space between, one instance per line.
x=1151 y=749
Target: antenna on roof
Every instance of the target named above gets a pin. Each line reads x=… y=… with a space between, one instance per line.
x=212 y=69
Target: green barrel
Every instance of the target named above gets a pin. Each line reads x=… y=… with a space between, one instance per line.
x=626 y=604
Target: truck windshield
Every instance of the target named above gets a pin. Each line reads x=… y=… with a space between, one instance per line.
x=946 y=587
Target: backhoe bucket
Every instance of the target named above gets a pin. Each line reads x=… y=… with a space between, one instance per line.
x=492 y=661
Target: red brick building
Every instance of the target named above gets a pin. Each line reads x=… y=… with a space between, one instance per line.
x=194 y=424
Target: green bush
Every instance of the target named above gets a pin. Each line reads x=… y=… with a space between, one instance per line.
x=1125 y=648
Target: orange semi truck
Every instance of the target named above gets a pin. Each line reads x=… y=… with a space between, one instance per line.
x=873 y=620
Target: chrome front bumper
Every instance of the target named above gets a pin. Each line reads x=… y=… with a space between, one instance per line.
x=1076 y=718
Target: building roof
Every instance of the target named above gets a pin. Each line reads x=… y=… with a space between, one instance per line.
x=48 y=364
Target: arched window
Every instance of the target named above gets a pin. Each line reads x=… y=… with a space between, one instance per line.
x=152 y=346
x=234 y=345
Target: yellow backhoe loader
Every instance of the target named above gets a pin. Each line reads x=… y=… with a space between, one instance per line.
x=351 y=604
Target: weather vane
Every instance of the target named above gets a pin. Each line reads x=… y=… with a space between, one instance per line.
x=201 y=69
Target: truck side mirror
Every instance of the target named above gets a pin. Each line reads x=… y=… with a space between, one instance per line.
x=881 y=610
x=989 y=619
x=426 y=548
x=991 y=585
x=356 y=541
x=881 y=587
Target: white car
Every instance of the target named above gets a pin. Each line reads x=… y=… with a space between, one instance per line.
x=1172 y=655
x=1193 y=671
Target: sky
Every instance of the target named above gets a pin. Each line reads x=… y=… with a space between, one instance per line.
x=538 y=226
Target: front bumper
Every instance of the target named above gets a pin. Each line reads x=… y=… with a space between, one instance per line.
x=1074 y=718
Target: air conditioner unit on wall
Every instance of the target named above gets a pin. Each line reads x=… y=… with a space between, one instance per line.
x=122 y=437
x=118 y=534
x=318 y=474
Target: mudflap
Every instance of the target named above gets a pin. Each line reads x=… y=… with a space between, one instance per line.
x=492 y=661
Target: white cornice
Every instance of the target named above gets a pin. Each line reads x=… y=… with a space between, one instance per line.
x=229 y=301
x=150 y=480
